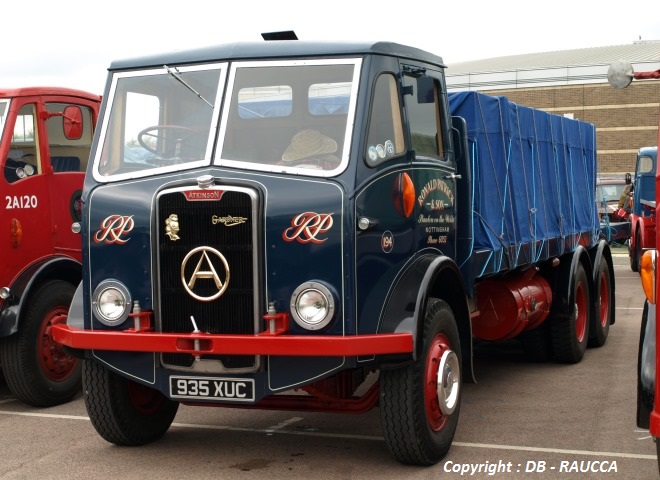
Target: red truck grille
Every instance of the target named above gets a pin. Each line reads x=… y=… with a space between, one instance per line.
x=197 y=229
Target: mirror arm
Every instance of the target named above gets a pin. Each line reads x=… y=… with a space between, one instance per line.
x=47 y=115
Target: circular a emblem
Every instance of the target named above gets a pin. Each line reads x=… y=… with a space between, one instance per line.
x=205 y=268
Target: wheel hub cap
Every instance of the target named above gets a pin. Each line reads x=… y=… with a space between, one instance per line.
x=448 y=382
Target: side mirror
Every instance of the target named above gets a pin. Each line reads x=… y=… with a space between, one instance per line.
x=620 y=74
x=72 y=122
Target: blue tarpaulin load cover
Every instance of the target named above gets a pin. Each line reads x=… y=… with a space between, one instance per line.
x=534 y=179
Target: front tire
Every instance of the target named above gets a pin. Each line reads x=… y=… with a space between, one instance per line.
x=420 y=403
x=124 y=412
x=38 y=370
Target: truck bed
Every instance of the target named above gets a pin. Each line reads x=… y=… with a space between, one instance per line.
x=534 y=180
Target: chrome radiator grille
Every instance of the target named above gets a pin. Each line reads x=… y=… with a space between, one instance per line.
x=206 y=269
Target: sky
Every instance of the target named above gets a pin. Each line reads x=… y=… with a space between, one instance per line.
x=72 y=43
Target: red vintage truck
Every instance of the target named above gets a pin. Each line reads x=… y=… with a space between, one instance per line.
x=46 y=136
x=620 y=75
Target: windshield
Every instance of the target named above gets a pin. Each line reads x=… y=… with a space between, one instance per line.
x=293 y=116
x=4 y=108
x=159 y=119
x=609 y=193
x=290 y=116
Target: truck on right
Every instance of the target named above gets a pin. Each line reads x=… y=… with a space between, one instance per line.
x=620 y=75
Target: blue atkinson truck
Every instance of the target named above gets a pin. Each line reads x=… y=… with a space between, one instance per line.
x=320 y=226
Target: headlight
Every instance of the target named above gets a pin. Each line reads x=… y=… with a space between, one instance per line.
x=112 y=303
x=312 y=306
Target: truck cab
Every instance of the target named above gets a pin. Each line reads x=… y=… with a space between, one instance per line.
x=642 y=215
x=261 y=213
x=46 y=137
x=307 y=226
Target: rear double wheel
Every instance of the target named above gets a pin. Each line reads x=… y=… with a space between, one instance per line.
x=420 y=403
x=571 y=320
x=601 y=318
x=122 y=411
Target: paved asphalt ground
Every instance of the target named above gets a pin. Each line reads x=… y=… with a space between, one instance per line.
x=526 y=420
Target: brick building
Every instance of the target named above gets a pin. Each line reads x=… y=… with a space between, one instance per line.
x=574 y=83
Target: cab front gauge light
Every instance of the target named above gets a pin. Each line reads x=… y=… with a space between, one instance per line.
x=312 y=306
x=112 y=303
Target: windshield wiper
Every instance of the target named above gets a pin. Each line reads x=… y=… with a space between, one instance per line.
x=177 y=75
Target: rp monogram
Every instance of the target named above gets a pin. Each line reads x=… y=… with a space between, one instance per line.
x=113 y=228
x=308 y=227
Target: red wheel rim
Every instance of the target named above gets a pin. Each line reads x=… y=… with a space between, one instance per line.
x=146 y=401
x=442 y=382
x=55 y=363
x=580 y=311
x=604 y=299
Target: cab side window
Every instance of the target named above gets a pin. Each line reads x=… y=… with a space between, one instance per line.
x=24 y=159
x=424 y=119
x=70 y=133
x=385 y=139
x=644 y=164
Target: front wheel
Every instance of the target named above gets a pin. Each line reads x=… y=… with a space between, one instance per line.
x=124 y=412
x=420 y=403
x=38 y=370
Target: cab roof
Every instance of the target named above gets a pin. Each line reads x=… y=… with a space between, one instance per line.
x=34 y=91
x=277 y=49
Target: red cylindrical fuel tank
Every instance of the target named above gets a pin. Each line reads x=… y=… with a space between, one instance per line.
x=511 y=304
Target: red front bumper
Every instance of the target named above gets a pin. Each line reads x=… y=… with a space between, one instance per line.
x=260 y=344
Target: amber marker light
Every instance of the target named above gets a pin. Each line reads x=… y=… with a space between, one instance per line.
x=16 y=232
x=403 y=192
x=408 y=195
x=647 y=273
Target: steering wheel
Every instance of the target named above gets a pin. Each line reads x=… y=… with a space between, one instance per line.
x=170 y=145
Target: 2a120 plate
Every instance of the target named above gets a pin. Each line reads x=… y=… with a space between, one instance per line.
x=212 y=388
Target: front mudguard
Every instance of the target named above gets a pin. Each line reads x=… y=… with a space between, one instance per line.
x=646 y=367
x=62 y=268
x=429 y=277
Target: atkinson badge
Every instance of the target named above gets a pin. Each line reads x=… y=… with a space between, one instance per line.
x=208 y=262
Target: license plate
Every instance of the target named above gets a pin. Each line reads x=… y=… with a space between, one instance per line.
x=212 y=388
